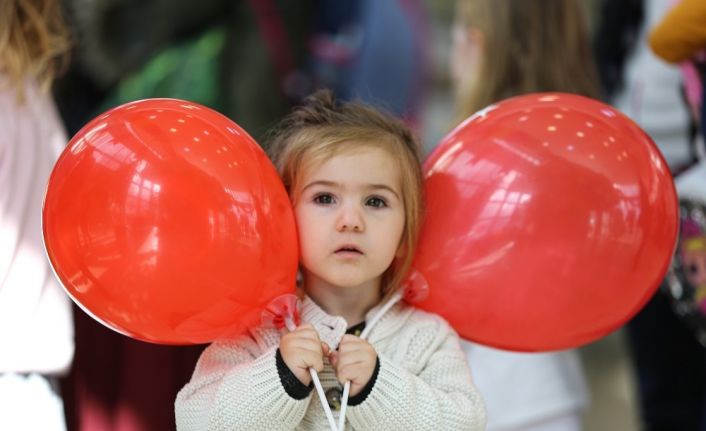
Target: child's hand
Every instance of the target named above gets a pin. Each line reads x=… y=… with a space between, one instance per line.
x=354 y=361
x=302 y=349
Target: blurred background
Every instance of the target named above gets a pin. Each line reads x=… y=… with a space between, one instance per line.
x=254 y=59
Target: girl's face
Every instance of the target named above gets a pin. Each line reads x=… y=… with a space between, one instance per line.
x=350 y=217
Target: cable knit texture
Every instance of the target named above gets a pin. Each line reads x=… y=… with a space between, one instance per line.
x=423 y=382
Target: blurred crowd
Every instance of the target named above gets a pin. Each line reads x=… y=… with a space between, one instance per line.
x=431 y=63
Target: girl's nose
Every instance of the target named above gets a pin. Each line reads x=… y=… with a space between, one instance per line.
x=350 y=220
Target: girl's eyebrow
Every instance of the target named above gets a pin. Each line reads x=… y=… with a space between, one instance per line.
x=382 y=187
x=322 y=183
x=334 y=184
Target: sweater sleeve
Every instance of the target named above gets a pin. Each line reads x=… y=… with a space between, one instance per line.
x=236 y=386
x=440 y=396
x=681 y=33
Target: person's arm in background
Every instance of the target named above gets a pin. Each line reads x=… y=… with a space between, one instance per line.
x=681 y=33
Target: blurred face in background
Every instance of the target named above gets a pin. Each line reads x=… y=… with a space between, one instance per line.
x=504 y=48
x=466 y=51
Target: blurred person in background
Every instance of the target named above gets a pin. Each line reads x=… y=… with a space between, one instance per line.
x=243 y=58
x=374 y=51
x=505 y=48
x=36 y=330
x=670 y=363
x=680 y=37
x=250 y=60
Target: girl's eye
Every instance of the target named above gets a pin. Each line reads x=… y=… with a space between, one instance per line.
x=323 y=199
x=376 y=202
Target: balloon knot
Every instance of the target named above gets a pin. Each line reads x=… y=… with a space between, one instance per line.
x=415 y=287
x=280 y=309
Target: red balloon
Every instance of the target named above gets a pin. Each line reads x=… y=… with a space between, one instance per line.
x=551 y=220
x=166 y=222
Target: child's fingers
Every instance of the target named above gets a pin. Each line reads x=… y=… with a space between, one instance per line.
x=358 y=374
x=350 y=339
x=306 y=343
x=315 y=361
x=306 y=331
x=305 y=356
x=358 y=357
x=333 y=358
x=303 y=338
x=303 y=349
x=350 y=372
x=354 y=345
x=351 y=343
x=325 y=348
x=355 y=362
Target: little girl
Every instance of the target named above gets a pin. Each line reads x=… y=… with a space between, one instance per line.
x=354 y=178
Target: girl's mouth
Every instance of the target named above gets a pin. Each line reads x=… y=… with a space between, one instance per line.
x=348 y=250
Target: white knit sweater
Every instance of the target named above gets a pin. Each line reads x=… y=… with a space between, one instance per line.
x=423 y=382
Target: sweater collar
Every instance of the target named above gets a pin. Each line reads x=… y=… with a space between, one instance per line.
x=332 y=328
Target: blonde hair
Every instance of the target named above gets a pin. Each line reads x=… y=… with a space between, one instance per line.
x=33 y=42
x=322 y=128
x=697 y=243
x=528 y=46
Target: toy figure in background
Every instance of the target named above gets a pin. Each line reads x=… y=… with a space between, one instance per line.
x=686 y=281
x=693 y=257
